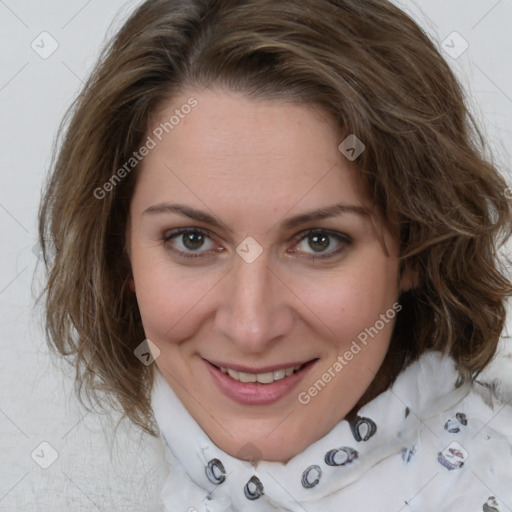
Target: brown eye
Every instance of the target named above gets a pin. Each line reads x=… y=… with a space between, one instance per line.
x=190 y=243
x=319 y=242
x=193 y=241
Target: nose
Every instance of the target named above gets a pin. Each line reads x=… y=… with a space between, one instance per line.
x=254 y=311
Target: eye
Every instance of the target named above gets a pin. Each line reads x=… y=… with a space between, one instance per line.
x=197 y=243
x=321 y=243
x=190 y=242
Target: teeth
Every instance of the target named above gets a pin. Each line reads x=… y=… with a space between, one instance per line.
x=246 y=377
x=265 y=378
x=233 y=374
x=262 y=378
x=279 y=374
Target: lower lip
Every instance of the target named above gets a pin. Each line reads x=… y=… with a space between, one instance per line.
x=255 y=393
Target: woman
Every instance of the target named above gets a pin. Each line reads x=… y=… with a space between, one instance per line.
x=285 y=208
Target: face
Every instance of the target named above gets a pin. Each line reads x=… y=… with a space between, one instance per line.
x=259 y=274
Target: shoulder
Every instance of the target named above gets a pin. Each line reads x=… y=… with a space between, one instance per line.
x=458 y=449
x=468 y=445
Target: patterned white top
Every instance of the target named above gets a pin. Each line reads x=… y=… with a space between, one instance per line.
x=423 y=445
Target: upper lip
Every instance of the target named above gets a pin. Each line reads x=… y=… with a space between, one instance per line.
x=261 y=369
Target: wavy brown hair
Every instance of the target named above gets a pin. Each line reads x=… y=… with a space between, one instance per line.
x=377 y=73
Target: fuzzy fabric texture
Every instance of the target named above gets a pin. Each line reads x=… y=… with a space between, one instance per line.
x=422 y=445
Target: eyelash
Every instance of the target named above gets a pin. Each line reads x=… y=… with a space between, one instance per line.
x=341 y=238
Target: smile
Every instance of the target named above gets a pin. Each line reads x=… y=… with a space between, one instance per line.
x=262 y=378
x=257 y=386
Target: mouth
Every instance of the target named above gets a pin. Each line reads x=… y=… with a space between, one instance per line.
x=261 y=377
x=257 y=386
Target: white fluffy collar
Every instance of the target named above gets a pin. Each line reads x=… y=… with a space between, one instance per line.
x=203 y=477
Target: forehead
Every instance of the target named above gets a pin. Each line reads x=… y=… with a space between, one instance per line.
x=252 y=145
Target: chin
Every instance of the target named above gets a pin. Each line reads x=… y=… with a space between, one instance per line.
x=278 y=440
x=271 y=450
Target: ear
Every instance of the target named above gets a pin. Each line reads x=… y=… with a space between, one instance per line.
x=132 y=284
x=408 y=279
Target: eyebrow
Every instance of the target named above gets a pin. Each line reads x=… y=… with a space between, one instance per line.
x=313 y=215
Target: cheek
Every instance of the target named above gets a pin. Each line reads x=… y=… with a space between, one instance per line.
x=175 y=301
x=168 y=300
x=353 y=299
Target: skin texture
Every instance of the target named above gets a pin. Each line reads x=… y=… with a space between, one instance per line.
x=254 y=164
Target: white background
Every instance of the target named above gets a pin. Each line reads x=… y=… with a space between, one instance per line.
x=97 y=467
